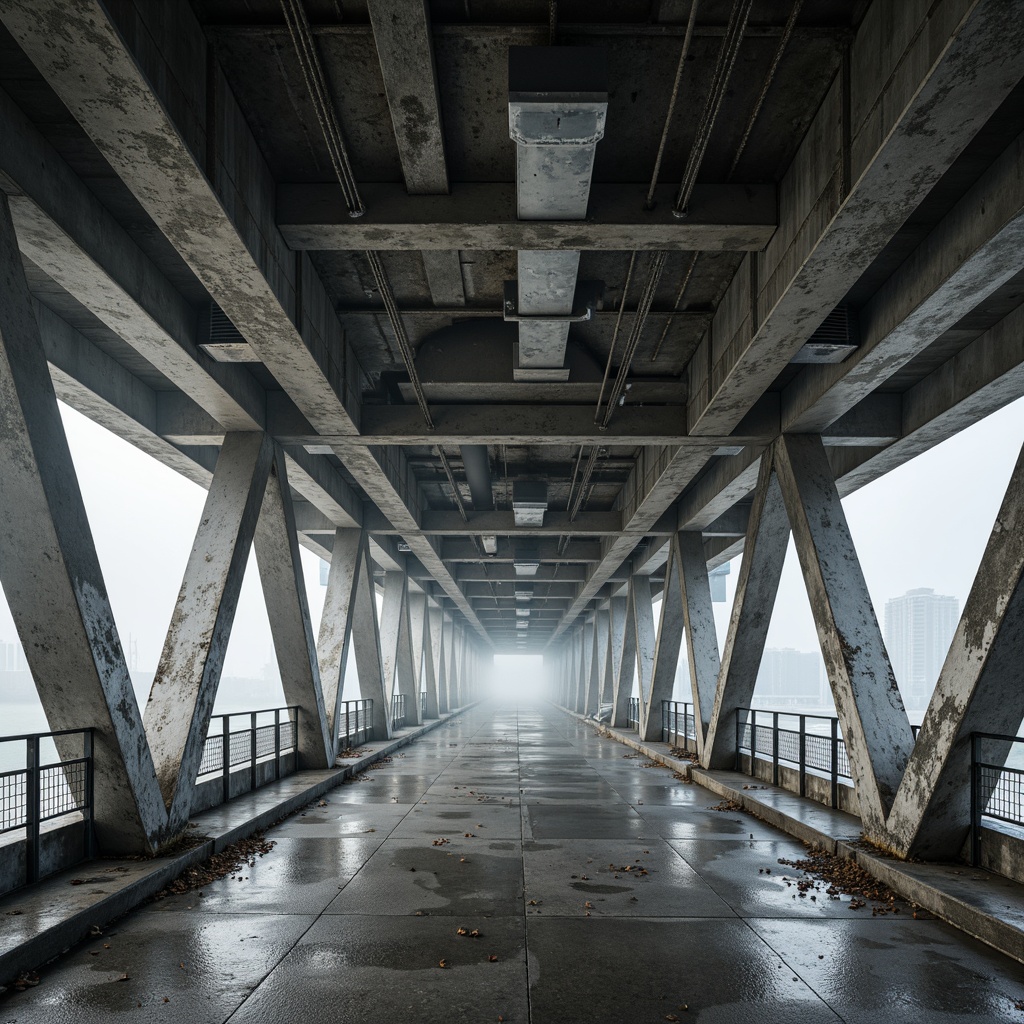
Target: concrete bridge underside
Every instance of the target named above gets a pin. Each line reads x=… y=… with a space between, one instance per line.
x=521 y=320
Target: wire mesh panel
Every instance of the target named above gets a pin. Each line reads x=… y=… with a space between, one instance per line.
x=288 y=734
x=13 y=799
x=213 y=755
x=63 y=788
x=818 y=751
x=266 y=740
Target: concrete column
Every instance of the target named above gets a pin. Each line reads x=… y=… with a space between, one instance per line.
x=185 y=685
x=978 y=691
x=625 y=666
x=598 y=656
x=666 y=653
x=586 y=664
x=699 y=621
x=53 y=581
x=422 y=649
x=436 y=616
x=348 y=556
x=646 y=635
x=444 y=679
x=613 y=654
x=365 y=633
x=396 y=646
x=764 y=552
x=868 y=702
x=284 y=589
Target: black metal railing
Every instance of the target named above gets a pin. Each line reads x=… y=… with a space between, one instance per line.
x=997 y=789
x=47 y=785
x=633 y=713
x=398 y=711
x=818 y=750
x=268 y=734
x=355 y=723
x=813 y=744
x=677 y=725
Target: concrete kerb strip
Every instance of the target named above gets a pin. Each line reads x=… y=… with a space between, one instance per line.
x=58 y=935
x=949 y=891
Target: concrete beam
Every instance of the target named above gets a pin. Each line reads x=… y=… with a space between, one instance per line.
x=218 y=219
x=53 y=581
x=284 y=590
x=479 y=215
x=920 y=87
x=401 y=32
x=185 y=685
x=764 y=553
x=977 y=691
x=875 y=727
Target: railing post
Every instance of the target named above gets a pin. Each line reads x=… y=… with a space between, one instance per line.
x=226 y=756
x=775 y=748
x=89 y=822
x=803 y=755
x=753 y=741
x=975 y=804
x=252 y=751
x=32 y=809
x=835 y=762
x=277 y=743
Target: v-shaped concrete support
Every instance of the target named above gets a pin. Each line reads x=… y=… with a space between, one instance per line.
x=625 y=665
x=764 y=552
x=979 y=690
x=185 y=685
x=284 y=590
x=396 y=645
x=875 y=726
x=53 y=581
x=423 y=650
x=666 y=654
x=598 y=656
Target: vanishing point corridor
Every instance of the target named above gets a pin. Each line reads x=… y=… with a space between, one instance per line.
x=602 y=889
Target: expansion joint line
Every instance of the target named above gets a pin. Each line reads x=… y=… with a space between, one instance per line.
x=301 y=33
x=723 y=71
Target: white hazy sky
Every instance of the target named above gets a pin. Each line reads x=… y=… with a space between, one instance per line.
x=923 y=525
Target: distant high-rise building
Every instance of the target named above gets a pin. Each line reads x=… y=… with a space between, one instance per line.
x=790 y=676
x=918 y=629
x=12 y=657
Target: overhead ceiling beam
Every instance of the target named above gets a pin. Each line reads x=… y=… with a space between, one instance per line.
x=213 y=204
x=480 y=215
x=884 y=139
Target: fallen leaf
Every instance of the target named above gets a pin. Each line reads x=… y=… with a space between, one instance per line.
x=492 y=959
x=442 y=963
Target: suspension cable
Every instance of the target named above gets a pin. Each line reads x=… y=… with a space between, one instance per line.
x=301 y=32
x=456 y=494
x=395 y=317
x=683 y=54
x=687 y=274
x=615 y=335
x=768 y=79
x=723 y=71
x=642 y=310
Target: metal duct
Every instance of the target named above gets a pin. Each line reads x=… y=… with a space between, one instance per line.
x=477 y=464
x=558 y=100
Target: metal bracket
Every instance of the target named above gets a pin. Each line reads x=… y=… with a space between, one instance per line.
x=510 y=310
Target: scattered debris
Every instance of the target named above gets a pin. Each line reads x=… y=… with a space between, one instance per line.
x=727 y=805
x=440 y=842
x=229 y=861
x=841 y=877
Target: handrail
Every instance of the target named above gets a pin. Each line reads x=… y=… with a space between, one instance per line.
x=996 y=788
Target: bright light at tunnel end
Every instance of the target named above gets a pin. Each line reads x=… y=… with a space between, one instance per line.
x=518 y=677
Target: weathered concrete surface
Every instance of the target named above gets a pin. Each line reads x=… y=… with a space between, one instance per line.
x=868 y=703
x=977 y=691
x=284 y=590
x=184 y=688
x=53 y=581
x=666 y=651
x=764 y=553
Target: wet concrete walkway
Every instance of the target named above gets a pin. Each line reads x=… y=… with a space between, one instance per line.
x=602 y=891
